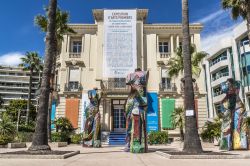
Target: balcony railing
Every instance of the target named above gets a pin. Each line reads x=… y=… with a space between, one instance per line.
x=73 y=87
x=166 y=87
x=74 y=55
x=116 y=85
x=218 y=60
x=220 y=75
x=164 y=55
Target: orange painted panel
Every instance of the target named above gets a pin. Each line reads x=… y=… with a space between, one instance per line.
x=72 y=111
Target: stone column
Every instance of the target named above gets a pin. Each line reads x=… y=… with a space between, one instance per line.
x=177 y=41
x=171 y=44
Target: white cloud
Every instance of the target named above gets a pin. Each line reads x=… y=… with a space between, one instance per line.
x=210 y=17
x=217 y=26
x=11 y=59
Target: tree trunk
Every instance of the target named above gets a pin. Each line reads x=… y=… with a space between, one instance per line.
x=192 y=142
x=181 y=134
x=40 y=138
x=29 y=98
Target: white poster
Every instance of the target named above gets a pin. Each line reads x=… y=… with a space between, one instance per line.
x=120 y=52
x=85 y=103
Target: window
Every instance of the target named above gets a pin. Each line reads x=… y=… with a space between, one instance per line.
x=163 y=47
x=217 y=91
x=219 y=58
x=77 y=46
x=222 y=73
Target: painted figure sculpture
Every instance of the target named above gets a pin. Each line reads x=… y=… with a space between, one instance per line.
x=92 y=124
x=135 y=112
x=233 y=115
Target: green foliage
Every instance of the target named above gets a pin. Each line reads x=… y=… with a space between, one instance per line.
x=158 y=137
x=178 y=117
x=238 y=8
x=32 y=62
x=76 y=138
x=63 y=124
x=64 y=130
x=59 y=137
x=176 y=63
x=16 y=105
x=211 y=130
x=27 y=128
x=7 y=130
x=24 y=137
x=62 y=28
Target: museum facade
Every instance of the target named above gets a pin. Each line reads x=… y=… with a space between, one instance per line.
x=102 y=54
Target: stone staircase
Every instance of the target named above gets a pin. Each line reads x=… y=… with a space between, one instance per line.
x=117 y=138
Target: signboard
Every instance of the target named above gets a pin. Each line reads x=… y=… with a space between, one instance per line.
x=152 y=112
x=85 y=103
x=120 y=52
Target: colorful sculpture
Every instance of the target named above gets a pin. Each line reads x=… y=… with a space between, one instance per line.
x=135 y=112
x=92 y=124
x=233 y=114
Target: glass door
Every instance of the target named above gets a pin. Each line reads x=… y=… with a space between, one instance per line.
x=119 y=118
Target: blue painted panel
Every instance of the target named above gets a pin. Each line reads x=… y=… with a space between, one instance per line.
x=53 y=113
x=152 y=112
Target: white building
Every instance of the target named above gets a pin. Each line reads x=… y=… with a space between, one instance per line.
x=14 y=84
x=80 y=67
x=229 y=58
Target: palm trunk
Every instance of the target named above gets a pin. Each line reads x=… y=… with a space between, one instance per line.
x=192 y=142
x=40 y=138
x=181 y=133
x=29 y=98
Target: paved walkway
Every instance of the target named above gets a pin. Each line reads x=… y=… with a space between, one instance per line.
x=114 y=156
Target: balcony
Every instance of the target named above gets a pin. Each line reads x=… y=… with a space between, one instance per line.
x=73 y=87
x=74 y=57
x=222 y=77
x=163 y=57
x=221 y=63
x=168 y=88
x=218 y=97
x=116 y=86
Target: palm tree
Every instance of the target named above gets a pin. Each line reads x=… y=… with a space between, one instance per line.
x=239 y=8
x=33 y=63
x=62 y=18
x=40 y=138
x=192 y=143
x=176 y=65
x=179 y=120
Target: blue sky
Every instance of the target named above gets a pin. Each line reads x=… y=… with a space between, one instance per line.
x=18 y=33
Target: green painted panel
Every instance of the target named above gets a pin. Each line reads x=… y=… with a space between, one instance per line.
x=168 y=106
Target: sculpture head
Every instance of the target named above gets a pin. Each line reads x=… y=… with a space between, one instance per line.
x=230 y=86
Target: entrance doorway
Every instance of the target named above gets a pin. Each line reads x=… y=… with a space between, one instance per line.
x=119 y=121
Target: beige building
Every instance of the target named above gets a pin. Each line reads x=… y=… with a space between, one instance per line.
x=80 y=68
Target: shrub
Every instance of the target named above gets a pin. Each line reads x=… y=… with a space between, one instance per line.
x=24 y=137
x=7 y=130
x=158 y=137
x=27 y=128
x=59 y=137
x=211 y=130
x=63 y=124
x=76 y=138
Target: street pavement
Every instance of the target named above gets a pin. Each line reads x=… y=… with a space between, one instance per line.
x=115 y=156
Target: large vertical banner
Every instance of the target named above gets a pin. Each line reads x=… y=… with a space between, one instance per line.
x=152 y=112
x=85 y=103
x=120 y=48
